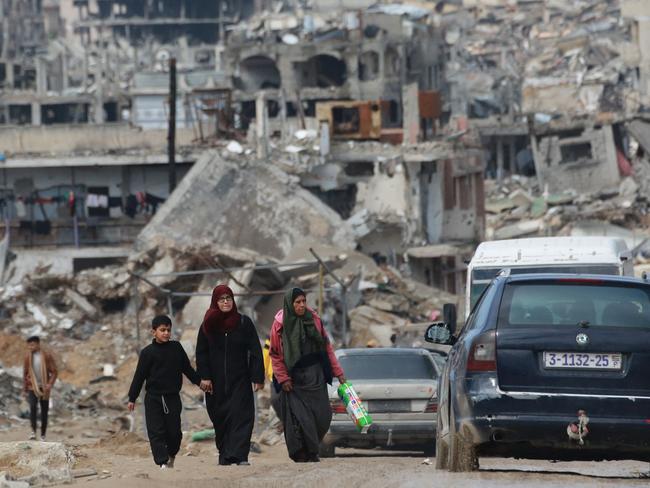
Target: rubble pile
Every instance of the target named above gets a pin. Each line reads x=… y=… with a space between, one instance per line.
x=37 y=463
x=11 y=385
x=548 y=58
x=516 y=207
x=62 y=306
x=89 y=319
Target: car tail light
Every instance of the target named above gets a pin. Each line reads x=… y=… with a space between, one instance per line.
x=483 y=355
x=432 y=405
x=337 y=406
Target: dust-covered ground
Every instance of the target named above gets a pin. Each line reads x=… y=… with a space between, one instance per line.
x=123 y=460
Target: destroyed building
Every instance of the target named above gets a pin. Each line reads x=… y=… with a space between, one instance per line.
x=296 y=62
x=85 y=109
x=307 y=85
x=548 y=85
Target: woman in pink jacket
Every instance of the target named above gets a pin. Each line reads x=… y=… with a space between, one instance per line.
x=303 y=363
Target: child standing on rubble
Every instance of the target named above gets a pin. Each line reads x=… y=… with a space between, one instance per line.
x=162 y=364
x=39 y=375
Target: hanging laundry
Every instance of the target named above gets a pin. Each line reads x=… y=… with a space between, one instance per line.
x=21 y=211
x=153 y=201
x=72 y=204
x=142 y=201
x=97 y=201
x=92 y=200
x=131 y=206
x=102 y=201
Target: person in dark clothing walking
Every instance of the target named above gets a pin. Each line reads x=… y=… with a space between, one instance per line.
x=162 y=365
x=303 y=363
x=229 y=359
x=39 y=375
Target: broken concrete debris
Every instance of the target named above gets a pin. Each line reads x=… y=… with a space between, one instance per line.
x=105 y=303
x=622 y=211
x=35 y=463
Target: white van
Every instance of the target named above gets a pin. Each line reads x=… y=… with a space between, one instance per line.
x=587 y=255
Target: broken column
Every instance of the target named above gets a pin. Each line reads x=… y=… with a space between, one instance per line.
x=261 y=125
x=411 y=106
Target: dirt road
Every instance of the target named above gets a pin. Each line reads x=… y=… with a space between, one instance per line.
x=123 y=460
x=363 y=469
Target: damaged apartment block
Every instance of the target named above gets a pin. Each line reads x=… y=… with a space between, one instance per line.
x=352 y=104
x=361 y=61
x=577 y=157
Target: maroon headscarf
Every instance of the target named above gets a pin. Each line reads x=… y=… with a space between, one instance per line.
x=217 y=321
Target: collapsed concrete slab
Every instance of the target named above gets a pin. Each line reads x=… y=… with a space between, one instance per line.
x=34 y=462
x=257 y=207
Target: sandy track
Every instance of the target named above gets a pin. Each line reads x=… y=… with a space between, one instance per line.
x=124 y=461
x=372 y=469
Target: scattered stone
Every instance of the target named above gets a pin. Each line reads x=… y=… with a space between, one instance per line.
x=519 y=229
x=83 y=473
x=37 y=462
x=6 y=482
x=81 y=302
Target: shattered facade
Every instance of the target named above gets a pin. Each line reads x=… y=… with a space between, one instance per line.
x=578 y=158
x=519 y=70
x=364 y=56
x=260 y=71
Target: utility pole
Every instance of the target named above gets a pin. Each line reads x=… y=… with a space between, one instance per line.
x=171 y=134
x=344 y=296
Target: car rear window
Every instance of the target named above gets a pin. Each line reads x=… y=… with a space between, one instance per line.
x=387 y=366
x=481 y=277
x=570 y=302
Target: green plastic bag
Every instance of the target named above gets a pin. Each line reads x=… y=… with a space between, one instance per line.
x=203 y=435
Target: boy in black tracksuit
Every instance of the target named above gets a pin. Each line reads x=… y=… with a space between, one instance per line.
x=162 y=364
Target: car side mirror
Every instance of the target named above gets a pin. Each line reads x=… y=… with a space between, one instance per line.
x=439 y=333
x=450 y=316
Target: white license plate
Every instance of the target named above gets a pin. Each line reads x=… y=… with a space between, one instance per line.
x=582 y=360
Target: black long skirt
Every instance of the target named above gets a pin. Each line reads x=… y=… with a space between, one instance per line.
x=233 y=417
x=305 y=412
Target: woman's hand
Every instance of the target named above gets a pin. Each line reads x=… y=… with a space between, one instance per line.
x=287 y=386
x=258 y=386
x=206 y=386
x=342 y=379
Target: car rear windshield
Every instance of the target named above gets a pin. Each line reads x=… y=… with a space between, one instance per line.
x=481 y=277
x=571 y=302
x=387 y=366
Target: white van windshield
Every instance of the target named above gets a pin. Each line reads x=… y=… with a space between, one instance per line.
x=481 y=278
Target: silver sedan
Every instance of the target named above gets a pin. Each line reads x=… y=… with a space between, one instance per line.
x=398 y=387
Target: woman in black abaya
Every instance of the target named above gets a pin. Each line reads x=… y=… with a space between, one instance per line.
x=229 y=359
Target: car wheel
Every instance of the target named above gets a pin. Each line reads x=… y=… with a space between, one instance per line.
x=326 y=450
x=442 y=448
x=462 y=452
